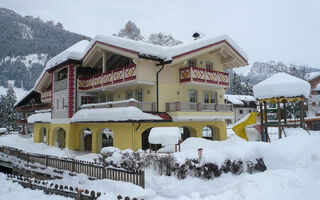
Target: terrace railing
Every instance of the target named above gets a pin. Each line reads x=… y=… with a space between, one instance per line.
x=188 y=106
x=112 y=77
x=200 y=75
x=144 y=106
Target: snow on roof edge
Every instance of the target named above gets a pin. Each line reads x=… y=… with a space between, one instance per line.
x=79 y=50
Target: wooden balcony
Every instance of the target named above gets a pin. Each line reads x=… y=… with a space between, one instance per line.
x=113 y=77
x=21 y=121
x=144 y=106
x=46 y=96
x=200 y=75
x=187 y=106
x=32 y=108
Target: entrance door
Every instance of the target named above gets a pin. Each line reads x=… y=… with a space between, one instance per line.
x=88 y=142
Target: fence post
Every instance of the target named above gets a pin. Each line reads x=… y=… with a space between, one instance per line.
x=73 y=165
x=104 y=173
x=79 y=195
x=142 y=179
x=46 y=161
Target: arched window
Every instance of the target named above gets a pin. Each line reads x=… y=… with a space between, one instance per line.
x=207 y=132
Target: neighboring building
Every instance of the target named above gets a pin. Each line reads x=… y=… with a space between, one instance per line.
x=91 y=85
x=313 y=107
x=27 y=106
x=242 y=105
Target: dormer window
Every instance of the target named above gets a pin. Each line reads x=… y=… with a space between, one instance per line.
x=192 y=62
x=62 y=74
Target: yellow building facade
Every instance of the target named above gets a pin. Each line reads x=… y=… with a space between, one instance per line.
x=186 y=91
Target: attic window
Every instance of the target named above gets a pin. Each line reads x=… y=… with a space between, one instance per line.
x=192 y=63
x=62 y=74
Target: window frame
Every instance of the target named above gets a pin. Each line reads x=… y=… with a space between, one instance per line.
x=195 y=92
x=192 y=60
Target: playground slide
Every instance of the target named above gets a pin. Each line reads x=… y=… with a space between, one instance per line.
x=239 y=128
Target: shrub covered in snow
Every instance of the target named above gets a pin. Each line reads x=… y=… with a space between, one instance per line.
x=167 y=164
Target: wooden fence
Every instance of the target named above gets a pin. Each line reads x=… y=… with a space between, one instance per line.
x=91 y=169
x=62 y=190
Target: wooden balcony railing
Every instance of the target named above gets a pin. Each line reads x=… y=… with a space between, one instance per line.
x=144 y=106
x=194 y=74
x=46 y=95
x=188 y=106
x=32 y=108
x=113 y=77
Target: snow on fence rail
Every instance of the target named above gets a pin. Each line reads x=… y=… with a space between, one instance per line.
x=62 y=190
x=90 y=169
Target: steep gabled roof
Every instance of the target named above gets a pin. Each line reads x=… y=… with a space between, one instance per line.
x=165 y=53
x=78 y=51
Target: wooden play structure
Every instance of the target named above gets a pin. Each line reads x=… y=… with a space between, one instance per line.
x=281 y=112
x=282 y=104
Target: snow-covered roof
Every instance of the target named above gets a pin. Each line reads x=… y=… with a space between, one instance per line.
x=317 y=88
x=80 y=49
x=239 y=99
x=40 y=117
x=313 y=75
x=112 y=114
x=281 y=85
x=27 y=93
x=164 y=135
x=165 y=53
x=74 y=52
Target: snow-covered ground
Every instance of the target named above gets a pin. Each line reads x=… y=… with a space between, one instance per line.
x=293 y=171
x=26 y=143
x=10 y=190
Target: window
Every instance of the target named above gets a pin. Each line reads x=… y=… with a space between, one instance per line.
x=57 y=103
x=62 y=74
x=84 y=100
x=193 y=96
x=110 y=97
x=62 y=103
x=88 y=99
x=207 y=132
x=240 y=111
x=209 y=97
x=102 y=98
x=139 y=95
x=192 y=63
x=129 y=94
x=209 y=66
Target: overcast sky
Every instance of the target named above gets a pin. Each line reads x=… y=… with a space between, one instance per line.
x=280 y=30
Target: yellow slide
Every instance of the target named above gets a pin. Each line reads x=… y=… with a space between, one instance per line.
x=239 y=128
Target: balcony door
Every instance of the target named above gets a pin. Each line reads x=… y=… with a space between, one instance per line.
x=209 y=97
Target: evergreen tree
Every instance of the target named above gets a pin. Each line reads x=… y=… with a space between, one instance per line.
x=248 y=88
x=8 y=114
x=237 y=87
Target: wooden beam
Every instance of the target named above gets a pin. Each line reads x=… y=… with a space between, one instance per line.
x=113 y=60
x=224 y=53
x=261 y=121
x=279 y=118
